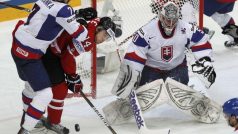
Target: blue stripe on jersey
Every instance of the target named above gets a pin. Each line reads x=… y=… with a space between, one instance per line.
x=49 y=30
x=197 y=36
x=139 y=41
x=65 y=12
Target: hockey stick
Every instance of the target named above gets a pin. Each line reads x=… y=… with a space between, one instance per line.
x=16 y=7
x=140 y=122
x=96 y=111
x=129 y=37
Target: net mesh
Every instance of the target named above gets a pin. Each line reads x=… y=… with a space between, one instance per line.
x=189 y=9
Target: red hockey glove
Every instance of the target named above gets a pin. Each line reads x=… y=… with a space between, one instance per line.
x=74 y=83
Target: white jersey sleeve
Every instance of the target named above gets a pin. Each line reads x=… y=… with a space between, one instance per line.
x=199 y=43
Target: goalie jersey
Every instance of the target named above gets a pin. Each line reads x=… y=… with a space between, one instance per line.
x=152 y=48
x=44 y=24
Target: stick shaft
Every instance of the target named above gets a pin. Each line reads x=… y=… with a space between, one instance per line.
x=16 y=7
x=95 y=109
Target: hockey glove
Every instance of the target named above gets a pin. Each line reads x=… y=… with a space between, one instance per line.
x=74 y=83
x=86 y=13
x=82 y=21
x=204 y=67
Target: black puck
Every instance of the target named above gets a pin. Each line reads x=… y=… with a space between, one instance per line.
x=77 y=128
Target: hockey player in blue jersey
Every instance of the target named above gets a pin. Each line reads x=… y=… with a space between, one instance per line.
x=218 y=10
x=230 y=110
x=44 y=24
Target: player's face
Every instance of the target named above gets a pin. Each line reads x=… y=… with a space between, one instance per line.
x=101 y=36
x=232 y=120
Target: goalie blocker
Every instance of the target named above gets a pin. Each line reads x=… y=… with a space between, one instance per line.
x=180 y=96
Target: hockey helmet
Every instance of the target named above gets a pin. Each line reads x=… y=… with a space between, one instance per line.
x=230 y=107
x=107 y=24
x=169 y=16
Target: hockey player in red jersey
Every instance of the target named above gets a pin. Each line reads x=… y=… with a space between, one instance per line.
x=230 y=110
x=218 y=10
x=60 y=64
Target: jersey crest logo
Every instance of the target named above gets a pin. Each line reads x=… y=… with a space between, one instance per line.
x=167 y=53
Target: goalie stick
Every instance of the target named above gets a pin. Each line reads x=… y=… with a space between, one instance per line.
x=96 y=111
x=16 y=7
x=140 y=122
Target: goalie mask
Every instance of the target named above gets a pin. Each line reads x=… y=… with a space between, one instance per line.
x=168 y=13
x=230 y=110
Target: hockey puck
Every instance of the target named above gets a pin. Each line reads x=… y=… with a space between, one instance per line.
x=77 y=128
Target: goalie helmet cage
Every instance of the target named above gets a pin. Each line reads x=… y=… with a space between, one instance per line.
x=135 y=14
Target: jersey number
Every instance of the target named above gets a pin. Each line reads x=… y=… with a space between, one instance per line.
x=35 y=9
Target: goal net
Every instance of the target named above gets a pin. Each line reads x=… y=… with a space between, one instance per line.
x=134 y=14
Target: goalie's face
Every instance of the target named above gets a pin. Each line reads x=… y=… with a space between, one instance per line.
x=169 y=16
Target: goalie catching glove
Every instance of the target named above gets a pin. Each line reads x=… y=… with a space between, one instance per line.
x=127 y=80
x=74 y=83
x=204 y=67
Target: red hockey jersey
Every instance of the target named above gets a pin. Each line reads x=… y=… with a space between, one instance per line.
x=67 y=48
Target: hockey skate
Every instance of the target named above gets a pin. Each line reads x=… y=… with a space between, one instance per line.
x=23 y=131
x=231 y=31
x=231 y=43
x=57 y=128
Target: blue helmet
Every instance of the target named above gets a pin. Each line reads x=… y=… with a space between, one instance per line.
x=230 y=107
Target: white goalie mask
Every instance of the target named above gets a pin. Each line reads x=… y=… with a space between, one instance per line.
x=169 y=15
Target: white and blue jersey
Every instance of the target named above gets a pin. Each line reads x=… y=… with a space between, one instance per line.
x=152 y=48
x=45 y=23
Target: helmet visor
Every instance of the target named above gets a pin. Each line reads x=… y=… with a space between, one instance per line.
x=110 y=34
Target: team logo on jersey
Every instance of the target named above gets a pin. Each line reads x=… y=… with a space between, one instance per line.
x=167 y=53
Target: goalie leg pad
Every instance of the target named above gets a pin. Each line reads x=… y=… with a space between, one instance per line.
x=149 y=96
x=191 y=102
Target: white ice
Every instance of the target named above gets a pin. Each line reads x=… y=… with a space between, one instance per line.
x=78 y=111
